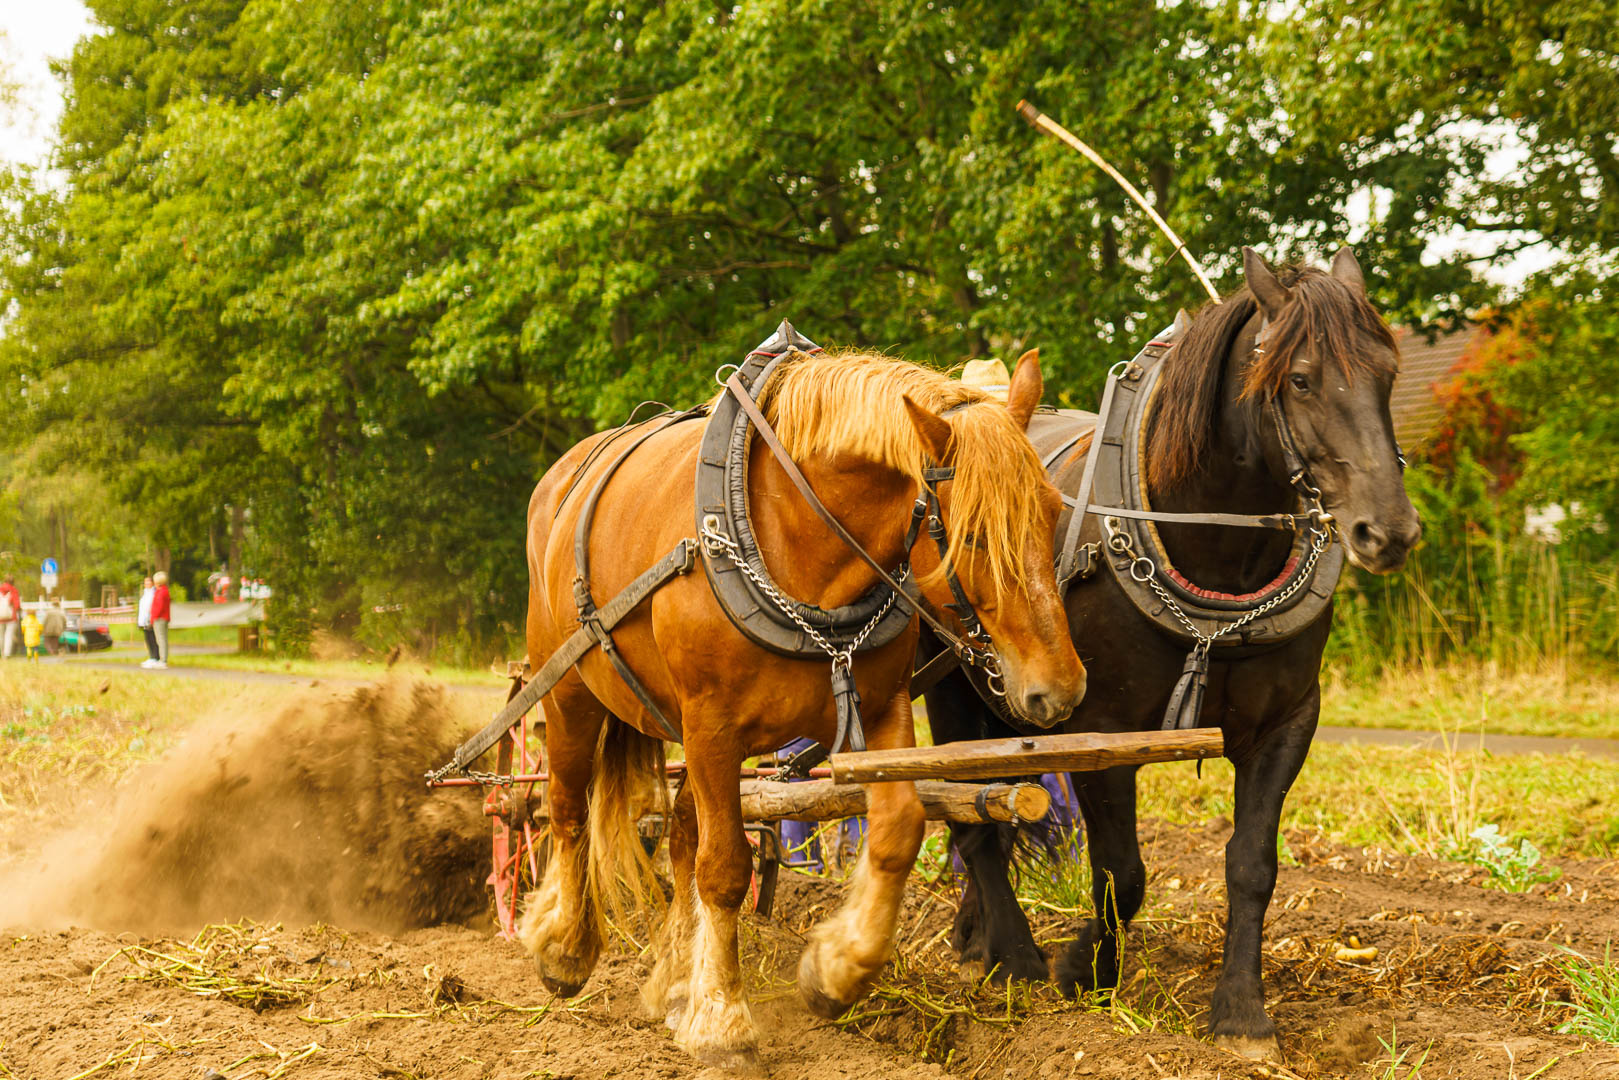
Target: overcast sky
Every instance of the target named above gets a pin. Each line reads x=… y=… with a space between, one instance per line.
x=38 y=31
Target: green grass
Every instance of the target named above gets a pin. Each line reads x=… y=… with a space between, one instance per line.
x=1419 y=801
x=315 y=669
x=1473 y=697
x=1596 y=997
x=62 y=728
x=1398 y=1060
x=129 y=634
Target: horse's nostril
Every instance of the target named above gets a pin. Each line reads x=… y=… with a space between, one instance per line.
x=1367 y=536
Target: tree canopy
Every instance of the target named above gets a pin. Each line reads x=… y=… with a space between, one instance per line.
x=356 y=272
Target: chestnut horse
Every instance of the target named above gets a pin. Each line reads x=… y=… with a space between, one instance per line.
x=863 y=429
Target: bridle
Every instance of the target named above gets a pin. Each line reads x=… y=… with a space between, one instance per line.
x=1293 y=463
x=974 y=647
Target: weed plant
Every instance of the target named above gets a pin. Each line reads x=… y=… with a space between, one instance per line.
x=1514 y=868
x=1397 y=1059
x=1596 y=997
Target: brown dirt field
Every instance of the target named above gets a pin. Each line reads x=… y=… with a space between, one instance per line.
x=1464 y=973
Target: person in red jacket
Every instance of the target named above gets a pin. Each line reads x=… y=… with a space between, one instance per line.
x=10 y=617
x=160 y=618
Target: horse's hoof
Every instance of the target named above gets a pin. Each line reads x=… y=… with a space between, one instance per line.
x=560 y=983
x=676 y=1014
x=744 y=1061
x=1020 y=967
x=561 y=988
x=812 y=986
x=820 y=1002
x=1266 y=1049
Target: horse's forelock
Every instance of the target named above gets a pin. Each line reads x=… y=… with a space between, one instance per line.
x=1335 y=316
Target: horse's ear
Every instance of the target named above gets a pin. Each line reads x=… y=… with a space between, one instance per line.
x=1347 y=270
x=1271 y=293
x=1028 y=385
x=934 y=430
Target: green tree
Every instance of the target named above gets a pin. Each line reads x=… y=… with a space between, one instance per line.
x=357 y=272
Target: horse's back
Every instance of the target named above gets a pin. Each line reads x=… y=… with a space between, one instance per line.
x=1055 y=431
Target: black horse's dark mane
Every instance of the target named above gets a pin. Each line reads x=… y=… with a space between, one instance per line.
x=1333 y=315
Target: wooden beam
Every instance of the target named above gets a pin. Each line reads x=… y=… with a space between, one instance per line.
x=822 y=800
x=986 y=758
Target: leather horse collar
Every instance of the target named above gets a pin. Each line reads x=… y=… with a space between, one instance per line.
x=1113 y=489
x=770 y=618
x=722 y=507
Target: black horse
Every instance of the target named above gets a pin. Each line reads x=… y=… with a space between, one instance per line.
x=1312 y=344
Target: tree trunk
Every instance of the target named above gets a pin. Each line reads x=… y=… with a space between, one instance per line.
x=238 y=528
x=818 y=800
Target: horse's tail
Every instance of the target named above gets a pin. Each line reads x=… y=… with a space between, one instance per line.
x=627 y=782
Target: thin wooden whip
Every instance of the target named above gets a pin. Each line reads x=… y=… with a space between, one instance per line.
x=1045 y=123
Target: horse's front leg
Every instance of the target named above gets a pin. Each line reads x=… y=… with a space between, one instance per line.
x=1107 y=799
x=1237 y=1018
x=846 y=952
x=991 y=933
x=717 y=1027
x=559 y=927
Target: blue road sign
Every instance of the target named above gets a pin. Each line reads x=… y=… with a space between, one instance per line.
x=48 y=566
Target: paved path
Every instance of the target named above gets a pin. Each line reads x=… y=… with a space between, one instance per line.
x=1495 y=744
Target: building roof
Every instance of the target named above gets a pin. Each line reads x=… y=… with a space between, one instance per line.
x=1424 y=366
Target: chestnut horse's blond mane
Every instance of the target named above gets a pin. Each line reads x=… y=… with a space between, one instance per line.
x=849 y=403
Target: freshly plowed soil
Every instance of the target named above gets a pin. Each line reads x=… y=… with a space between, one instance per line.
x=1465 y=980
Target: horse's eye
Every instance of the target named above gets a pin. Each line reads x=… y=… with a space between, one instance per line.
x=1301 y=384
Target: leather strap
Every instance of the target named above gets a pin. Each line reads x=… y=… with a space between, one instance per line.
x=589 y=615
x=679 y=561
x=1053 y=457
x=785 y=460
x=1068 y=558
x=1285 y=522
x=927 y=676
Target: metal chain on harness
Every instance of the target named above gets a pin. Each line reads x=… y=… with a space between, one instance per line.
x=1186 y=699
x=1144 y=570
x=844 y=694
x=717 y=543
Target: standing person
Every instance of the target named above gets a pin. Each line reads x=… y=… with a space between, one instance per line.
x=143 y=619
x=10 y=613
x=55 y=624
x=31 y=634
x=160 y=617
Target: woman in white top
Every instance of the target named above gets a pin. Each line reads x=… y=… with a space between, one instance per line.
x=143 y=619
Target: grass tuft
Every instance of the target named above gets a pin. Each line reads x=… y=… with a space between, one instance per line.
x=1596 y=997
x=1396 y=1058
